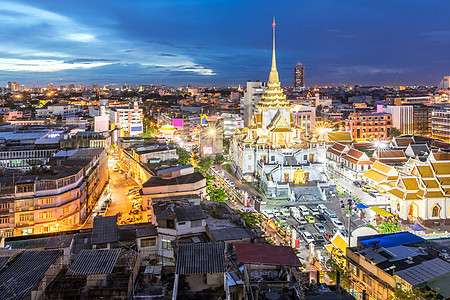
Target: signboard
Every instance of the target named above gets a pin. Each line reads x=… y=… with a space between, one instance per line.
x=177 y=123
x=207 y=150
x=204 y=120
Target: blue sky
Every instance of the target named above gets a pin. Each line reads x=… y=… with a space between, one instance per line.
x=220 y=42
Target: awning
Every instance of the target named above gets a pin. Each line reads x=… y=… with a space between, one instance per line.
x=417 y=227
x=381 y=211
x=361 y=206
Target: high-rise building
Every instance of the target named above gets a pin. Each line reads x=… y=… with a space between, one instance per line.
x=367 y=126
x=445 y=83
x=422 y=117
x=299 y=76
x=440 y=124
x=255 y=90
x=402 y=117
x=211 y=137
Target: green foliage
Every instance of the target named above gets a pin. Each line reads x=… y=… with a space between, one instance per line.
x=412 y=294
x=253 y=219
x=184 y=156
x=205 y=162
x=395 y=132
x=336 y=127
x=217 y=195
x=388 y=227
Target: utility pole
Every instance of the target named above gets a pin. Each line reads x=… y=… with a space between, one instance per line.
x=349 y=208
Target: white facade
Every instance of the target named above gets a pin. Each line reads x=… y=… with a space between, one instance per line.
x=128 y=119
x=255 y=90
x=402 y=117
x=60 y=109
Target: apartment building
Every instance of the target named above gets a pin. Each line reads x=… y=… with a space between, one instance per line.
x=52 y=198
x=367 y=126
x=440 y=124
x=127 y=119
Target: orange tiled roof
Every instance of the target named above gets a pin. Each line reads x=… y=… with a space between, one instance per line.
x=441 y=168
x=397 y=192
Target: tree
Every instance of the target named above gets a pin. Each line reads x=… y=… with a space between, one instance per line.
x=184 y=156
x=395 y=132
x=336 y=127
x=412 y=294
x=217 y=195
x=206 y=162
x=388 y=227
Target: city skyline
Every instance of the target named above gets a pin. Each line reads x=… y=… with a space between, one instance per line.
x=221 y=42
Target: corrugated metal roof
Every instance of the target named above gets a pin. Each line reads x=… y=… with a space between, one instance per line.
x=97 y=261
x=227 y=234
x=189 y=213
x=60 y=241
x=425 y=271
x=266 y=254
x=104 y=230
x=25 y=272
x=200 y=258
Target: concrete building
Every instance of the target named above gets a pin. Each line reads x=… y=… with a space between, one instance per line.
x=59 y=109
x=128 y=120
x=440 y=124
x=402 y=117
x=382 y=263
x=299 y=76
x=53 y=198
x=254 y=92
x=211 y=137
x=305 y=118
x=369 y=126
x=444 y=84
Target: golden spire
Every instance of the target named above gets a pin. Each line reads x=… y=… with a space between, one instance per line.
x=273 y=76
x=273 y=96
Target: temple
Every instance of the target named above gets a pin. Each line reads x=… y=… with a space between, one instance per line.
x=270 y=149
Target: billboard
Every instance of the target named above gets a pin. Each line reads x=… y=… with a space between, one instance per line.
x=204 y=120
x=207 y=150
x=177 y=123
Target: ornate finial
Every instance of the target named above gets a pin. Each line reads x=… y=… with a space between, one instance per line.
x=273 y=77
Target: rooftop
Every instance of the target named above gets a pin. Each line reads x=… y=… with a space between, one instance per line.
x=104 y=230
x=200 y=258
x=266 y=254
x=97 y=261
x=156 y=181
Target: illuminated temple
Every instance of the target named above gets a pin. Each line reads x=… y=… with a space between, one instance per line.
x=270 y=148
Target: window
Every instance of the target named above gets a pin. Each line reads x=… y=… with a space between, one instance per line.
x=367 y=280
x=181 y=223
x=23 y=218
x=249 y=157
x=435 y=210
x=272 y=158
x=46 y=215
x=4 y=220
x=148 y=242
x=66 y=209
x=166 y=244
x=196 y=223
x=45 y=201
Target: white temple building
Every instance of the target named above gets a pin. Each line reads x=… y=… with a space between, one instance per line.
x=270 y=148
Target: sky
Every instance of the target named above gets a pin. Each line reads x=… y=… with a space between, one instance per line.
x=219 y=42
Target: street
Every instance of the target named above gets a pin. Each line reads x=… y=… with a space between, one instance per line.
x=119 y=187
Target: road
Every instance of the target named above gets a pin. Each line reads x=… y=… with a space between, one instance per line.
x=119 y=187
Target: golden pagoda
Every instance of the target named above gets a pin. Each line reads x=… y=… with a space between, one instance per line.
x=273 y=96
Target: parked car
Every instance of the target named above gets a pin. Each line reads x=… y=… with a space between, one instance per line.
x=328 y=235
x=320 y=227
x=301 y=220
x=318 y=239
x=300 y=229
x=338 y=224
x=357 y=183
x=321 y=218
x=314 y=210
x=310 y=219
x=304 y=210
x=322 y=208
x=308 y=237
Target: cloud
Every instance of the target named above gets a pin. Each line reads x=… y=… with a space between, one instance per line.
x=39 y=40
x=437 y=36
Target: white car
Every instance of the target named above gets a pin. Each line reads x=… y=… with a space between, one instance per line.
x=315 y=211
x=308 y=237
x=301 y=220
x=338 y=224
x=320 y=227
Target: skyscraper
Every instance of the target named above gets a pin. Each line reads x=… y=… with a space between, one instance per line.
x=299 y=76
